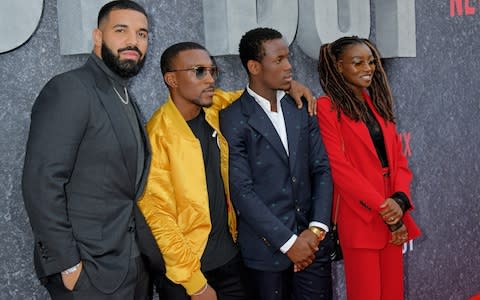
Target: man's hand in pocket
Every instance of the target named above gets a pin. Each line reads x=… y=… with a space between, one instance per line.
x=70 y=279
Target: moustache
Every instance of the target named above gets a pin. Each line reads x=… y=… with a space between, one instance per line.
x=131 y=48
x=211 y=87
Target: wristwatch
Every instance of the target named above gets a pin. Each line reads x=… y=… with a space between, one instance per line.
x=319 y=232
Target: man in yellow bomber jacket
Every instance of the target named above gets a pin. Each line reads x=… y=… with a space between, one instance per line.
x=186 y=201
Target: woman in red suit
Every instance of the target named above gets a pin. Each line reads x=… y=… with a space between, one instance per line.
x=370 y=173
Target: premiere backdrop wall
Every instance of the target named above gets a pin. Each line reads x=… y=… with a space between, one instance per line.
x=437 y=104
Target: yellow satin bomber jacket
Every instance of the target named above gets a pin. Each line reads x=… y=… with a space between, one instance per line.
x=175 y=200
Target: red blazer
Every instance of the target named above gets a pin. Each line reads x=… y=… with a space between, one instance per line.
x=357 y=176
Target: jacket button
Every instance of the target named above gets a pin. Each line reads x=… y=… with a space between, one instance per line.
x=40 y=245
x=265 y=241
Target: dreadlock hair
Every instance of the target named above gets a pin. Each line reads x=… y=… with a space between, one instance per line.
x=119 y=4
x=251 y=44
x=342 y=96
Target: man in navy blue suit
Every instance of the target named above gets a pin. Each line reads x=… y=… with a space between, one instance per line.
x=280 y=178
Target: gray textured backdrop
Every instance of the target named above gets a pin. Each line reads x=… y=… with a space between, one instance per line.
x=437 y=101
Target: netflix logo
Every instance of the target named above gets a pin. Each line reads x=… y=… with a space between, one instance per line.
x=405 y=138
x=463 y=7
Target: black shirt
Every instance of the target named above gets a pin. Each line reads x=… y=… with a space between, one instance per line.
x=377 y=137
x=220 y=247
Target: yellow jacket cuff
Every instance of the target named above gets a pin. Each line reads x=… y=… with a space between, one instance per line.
x=196 y=282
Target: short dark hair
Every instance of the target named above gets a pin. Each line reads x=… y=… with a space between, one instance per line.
x=251 y=44
x=169 y=54
x=119 y=4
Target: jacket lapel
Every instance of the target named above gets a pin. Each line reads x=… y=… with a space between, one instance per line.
x=119 y=120
x=147 y=150
x=291 y=115
x=262 y=124
x=385 y=127
x=360 y=129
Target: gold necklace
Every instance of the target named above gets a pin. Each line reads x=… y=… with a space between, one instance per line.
x=124 y=101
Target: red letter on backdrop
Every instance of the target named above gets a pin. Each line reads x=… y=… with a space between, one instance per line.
x=458 y=5
x=469 y=10
x=406 y=138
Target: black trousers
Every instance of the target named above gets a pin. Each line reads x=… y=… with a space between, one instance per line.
x=228 y=281
x=312 y=283
x=135 y=287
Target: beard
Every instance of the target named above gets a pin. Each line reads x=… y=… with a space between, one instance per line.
x=124 y=68
x=203 y=103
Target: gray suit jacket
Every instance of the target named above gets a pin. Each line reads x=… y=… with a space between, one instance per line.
x=79 y=180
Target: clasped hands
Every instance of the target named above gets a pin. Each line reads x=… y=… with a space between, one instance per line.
x=392 y=214
x=302 y=253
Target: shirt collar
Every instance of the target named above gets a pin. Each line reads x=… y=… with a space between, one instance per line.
x=264 y=103
x=112 y=75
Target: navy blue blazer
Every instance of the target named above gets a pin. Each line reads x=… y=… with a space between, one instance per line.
x=275 y=195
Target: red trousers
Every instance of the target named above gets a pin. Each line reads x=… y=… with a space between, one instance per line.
x=374 y=274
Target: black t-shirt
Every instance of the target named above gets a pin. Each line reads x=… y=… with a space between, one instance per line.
x=220 y=247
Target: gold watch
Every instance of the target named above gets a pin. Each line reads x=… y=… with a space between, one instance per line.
x=319 y=232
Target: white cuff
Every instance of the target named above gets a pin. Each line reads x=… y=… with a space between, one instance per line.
x=319 y=225
x=288 y=244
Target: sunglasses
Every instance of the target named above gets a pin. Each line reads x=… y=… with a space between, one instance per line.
x=200 y=71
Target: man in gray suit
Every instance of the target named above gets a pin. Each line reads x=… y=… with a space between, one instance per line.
x=86 y=163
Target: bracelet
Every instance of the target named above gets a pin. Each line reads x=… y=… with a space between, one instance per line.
x=395 y=226
x=71 y=270
x=201 y=291
x=401 y=204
